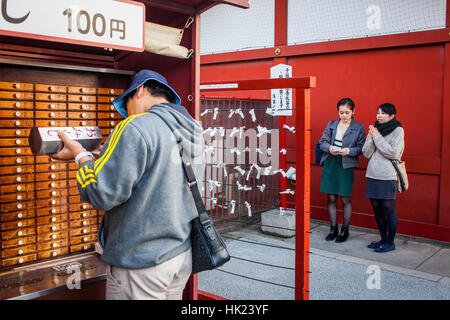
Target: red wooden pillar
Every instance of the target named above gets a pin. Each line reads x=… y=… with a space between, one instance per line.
x=444 y=188
x=302 y=193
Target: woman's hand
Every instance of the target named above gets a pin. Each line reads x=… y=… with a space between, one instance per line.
x=373 y=131
x=332 y=151
x=70 y=150
x=344 y=151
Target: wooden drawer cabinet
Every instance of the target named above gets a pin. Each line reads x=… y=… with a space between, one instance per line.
x=15 y=233
x=54 y=210
x=16 y=206
x=16 y=86
x=21 y=187
x=82 y=123
x=52 y=219
x=18 y=242
x=51 y=106
x=19 y=260
x=53 y=253
x=16 y=114
x=16 y=95
x=110 y=91
x=19 y=251
x=51 y=97
x=22 y=223
x=17 y=215
x=50 y=88
x=17 y=105
x=80 y=207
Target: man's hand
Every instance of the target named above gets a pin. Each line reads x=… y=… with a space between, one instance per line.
x=70 y=150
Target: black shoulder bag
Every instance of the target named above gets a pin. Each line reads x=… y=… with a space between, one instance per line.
x=208 y=248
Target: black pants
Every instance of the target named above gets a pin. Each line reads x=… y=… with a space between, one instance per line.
x=386 y=218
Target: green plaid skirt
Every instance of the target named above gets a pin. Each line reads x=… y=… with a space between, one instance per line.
x=335 y=179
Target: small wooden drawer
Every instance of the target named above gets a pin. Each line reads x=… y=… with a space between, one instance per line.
x=51 y=184
x=51 y=106
x=53 y=253
x=16 y=86
x=15 y=233
x=19 y=251
x=83 y=230
x=50 y=88
x=51 y=211
x=50 y=167
x=51 y=114
x=45 y=159
x=82 y=223
x=82 y=90
x=51 y=97
x=54 y=244
x=16 y=160
x=81 y=98
x=51 y=175
x=18 y=105
x=83 y=214
x=52 y=219
x=106 y=132
x=19 y=132
x=52 y=202
x=110 y=91
x=73 y=166
x=22 y=223
x=16 y=114
x=108 y=123
x=16 y=95
x=17 y=215
x=16 y=206
x=73 y=183
x=74 y=191
x=16 y=123
x=52 y=227
x=22 y=178
x=75 y=199
x=102 y=107
x=109 y=116
x=83 y=239
x=17 y=196
x=82 y=106
x=82 y=115
x=19 y=260
x=16 y=169
x=18 y=242
x=51 y=123
x=82 y=247
x=14 y=142
x=51 y=193
x=17 y=188
x=82 y=123
x=19 y=151
x=52 y=236
x=80 y=207
x=106 y=99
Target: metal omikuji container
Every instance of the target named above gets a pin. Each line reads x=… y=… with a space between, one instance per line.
x=45 y=140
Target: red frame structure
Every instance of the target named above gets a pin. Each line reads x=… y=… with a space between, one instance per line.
x=301 y=98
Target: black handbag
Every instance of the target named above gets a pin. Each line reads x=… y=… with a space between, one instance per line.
x=208 y=248
x=319 y=153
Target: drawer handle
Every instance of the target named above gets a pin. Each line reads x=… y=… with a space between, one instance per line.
x=52 y=106
x=18 y=132
x=52 y=97
x=85 y=231
x=16 y=85
x=55 y=245
x=19 y=234
x=53 y=228
x=53 y=167
x=111 y=91
x=19 y=197
x=18 y=150
x=54 y=193
x=53 y=219
x=52 y=123
x=85 y=239
x=21 y=260
x=111 y=99
x=83 y=115
x=54 y=253
x=111 y=107
x=19 y=206
x=20 y=251
x=52 y=114
x=17 y=113
x=51 y=88
x=53 y=210
x=18 y=188
x=54 y=236
x=19 y=215
x=83 y=123
x=17 y=95
x=85 y=206
x=53 y=176
x=18 y=104
x=18 y=141
x=19 y=224
x=17 y=123
x=18 y=179
x=52 y=184
x=19 y=170
x=18 y=160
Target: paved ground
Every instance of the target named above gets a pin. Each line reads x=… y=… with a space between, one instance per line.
x=418 y=269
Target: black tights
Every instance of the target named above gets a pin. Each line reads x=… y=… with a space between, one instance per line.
x=386 y=218
x=332 y=210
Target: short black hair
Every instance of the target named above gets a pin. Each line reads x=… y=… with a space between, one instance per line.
x=388 y=108
x=157 y=89
x=346 y=102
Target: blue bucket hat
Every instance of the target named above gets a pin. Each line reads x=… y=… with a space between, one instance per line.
x=139 y=79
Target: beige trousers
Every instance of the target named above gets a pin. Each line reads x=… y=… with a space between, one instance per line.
x=165 y=281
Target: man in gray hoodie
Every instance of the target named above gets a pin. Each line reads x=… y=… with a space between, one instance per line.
x=139 y=182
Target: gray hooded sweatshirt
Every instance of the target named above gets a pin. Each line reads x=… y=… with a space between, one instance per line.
x=139 y=182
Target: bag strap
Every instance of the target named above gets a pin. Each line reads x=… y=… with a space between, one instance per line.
x=192 y=182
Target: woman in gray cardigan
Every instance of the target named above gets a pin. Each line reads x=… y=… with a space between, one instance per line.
x=341 y=142
x=385 y=142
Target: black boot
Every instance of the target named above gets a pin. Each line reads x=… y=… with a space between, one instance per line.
x=343 y=235
x=334 y=231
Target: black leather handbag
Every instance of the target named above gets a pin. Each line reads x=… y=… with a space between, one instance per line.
x=208 y=248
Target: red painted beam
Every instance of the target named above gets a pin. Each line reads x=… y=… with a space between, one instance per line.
x=259 y=84
x=281 y=9
x=388 y=41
